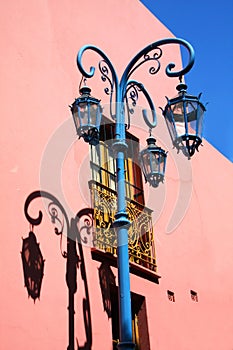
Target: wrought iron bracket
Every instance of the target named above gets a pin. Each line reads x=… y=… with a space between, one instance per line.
x=126 y=90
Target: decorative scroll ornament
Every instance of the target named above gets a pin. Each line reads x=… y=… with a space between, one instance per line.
x=105 y=71
x=149 y=57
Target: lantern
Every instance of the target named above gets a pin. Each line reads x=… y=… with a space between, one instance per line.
x=184 y=118
x=33 y=265
x=86 y=111
x=153 y=162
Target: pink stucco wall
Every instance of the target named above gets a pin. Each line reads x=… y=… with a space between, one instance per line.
x=39 y=79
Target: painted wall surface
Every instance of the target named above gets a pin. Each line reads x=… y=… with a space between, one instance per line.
x=39 y=150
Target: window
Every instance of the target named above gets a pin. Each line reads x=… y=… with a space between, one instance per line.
x=104 y=199
x=139 y=320
x=103 y=163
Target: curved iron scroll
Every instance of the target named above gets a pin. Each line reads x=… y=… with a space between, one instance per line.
x=105 y=66
x=128 y=89
x=156 y=45
x=138 y=87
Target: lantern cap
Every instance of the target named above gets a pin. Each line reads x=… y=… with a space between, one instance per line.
x=151 y=140
x=85 y=90
x=181 y=87
x=85 y=96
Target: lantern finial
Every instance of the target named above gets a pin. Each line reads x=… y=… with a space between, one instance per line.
x=84 y=90
x=181 y=87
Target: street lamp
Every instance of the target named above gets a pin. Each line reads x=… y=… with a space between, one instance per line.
x=153 y=159
x=184 y=118
x=86 y=113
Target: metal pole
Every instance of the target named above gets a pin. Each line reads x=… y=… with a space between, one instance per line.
x=122 y=224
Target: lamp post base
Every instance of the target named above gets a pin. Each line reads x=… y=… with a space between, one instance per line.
x=126 y=346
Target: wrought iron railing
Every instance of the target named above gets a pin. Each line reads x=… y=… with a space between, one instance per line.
x=141 y=235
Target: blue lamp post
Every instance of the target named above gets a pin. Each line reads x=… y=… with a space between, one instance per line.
x=153 y=158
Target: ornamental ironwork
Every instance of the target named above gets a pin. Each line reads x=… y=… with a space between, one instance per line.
x=141 y=236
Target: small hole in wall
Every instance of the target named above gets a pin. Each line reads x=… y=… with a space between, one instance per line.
x=194 y=295
x=171 y=295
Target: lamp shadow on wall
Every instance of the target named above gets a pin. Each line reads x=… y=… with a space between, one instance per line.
x=107 y=279
x=33 y=262
x=33 y=266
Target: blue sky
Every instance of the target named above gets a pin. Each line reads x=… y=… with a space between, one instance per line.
x=208 y=26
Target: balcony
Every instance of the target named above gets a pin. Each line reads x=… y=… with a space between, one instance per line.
x=141 y=236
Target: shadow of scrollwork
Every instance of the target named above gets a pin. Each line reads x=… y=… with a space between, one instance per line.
x=58 y=217
x=88 y=214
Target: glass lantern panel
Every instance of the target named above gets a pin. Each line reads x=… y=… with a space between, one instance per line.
x=178 y=115
x=146 y=163
x=170 y=123
x=93 y=115
x=162 y=164
x=199 y=126
x=155 y=164
x=76 y=117
x=191 y=115
x=88 y=114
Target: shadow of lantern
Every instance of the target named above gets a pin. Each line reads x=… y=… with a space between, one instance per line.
x=33 y=266
x=107 y=279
